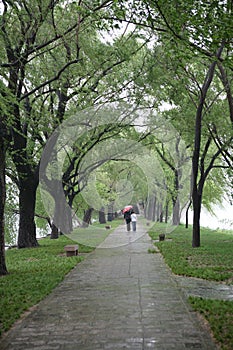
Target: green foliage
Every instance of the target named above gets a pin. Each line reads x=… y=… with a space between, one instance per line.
x=212 y=261
x=120 y=180
x=219 y=314
x=42 y=215
x=215 y=189
x=33 y=273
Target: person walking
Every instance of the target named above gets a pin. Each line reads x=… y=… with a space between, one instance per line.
x=127 y=217
x=134 y=220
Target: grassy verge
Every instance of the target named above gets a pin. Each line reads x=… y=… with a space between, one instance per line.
x=212 y=261
x=33 y=273
x=219 y=315
x=95 y=234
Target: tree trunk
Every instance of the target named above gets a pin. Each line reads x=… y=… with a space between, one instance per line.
x=28 y=180
x=166 y=212
x=196 y=242
x=157 y=213
x=87 y=217
x=3 y=269
x=161 y=213
x=197 y=194
x=187 y=215
x=110 y=216
x=102 y=219
x=110 y=212
x=175 y=199
x=150 y=208
x=176 y=212
x=27 y=201
x=136 y=209
x=54 y=232
x=154 y=207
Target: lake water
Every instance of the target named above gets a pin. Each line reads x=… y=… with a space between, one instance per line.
x=223 y=218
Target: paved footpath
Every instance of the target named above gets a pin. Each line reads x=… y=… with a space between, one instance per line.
x=117 y=298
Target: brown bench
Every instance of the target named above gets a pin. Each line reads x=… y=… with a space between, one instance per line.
x=71 y=250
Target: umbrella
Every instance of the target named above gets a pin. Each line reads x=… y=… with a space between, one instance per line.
x=127 y=208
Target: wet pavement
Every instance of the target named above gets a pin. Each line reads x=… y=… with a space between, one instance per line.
x=198 y=287
x=119 y=297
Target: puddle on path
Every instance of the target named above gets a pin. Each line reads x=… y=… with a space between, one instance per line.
x=205 y=289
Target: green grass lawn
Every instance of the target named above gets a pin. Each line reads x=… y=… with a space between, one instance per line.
x=219 y=315
x=212 y=261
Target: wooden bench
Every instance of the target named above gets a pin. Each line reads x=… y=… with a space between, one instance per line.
x=71 y=250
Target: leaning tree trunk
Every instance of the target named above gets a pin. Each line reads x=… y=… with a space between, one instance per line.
x=187 y=215
x=27 y=202
x=3 y=269
x=87 y=217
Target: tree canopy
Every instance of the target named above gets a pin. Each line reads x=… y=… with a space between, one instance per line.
x=167 y=64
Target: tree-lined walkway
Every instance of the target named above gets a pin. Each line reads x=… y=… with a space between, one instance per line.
x=117 y=298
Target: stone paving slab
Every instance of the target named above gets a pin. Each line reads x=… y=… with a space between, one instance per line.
x=117 y=298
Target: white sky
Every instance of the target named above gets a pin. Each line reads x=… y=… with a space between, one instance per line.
x=223 y=218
